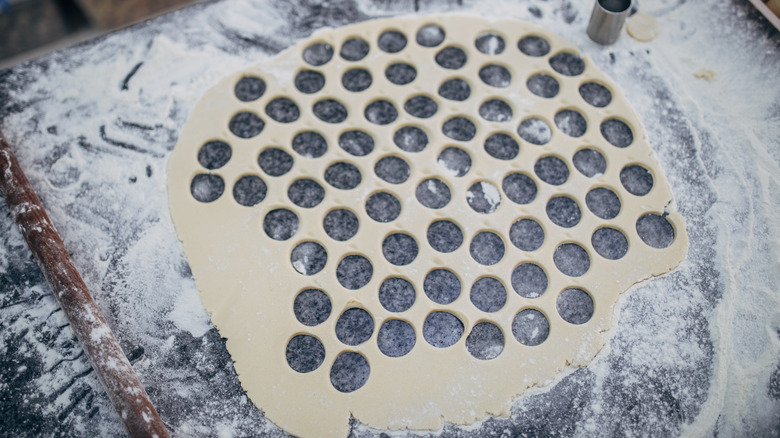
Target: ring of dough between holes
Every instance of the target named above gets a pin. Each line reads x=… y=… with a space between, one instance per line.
x=248 y=284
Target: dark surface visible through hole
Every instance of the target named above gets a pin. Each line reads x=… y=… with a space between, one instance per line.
x=502 y=146
x=490 y=44
x=282 y=110
x=206 y=187
x=400 y=73
x=571 y=123
x=636 y=180
x=350 y=371
x=330 y=111
x=275 y=161
x=399 y=249
x=486 y=341
x=454 y=161
x=487 y=248
x=483 y=197
x=495 y=110
x=249 y=190
x=433 y=193
x=280 y=224
x=430 y=35
x=304 y=353
x=603 y=202
x=543 y=85
x=575 y=306
x=340 y=224
x=551 y=170
x=609 y=243
x=309 y=81
x=391 y=41
x=310 y=144
x=488 y=294
x=535 y=131
x=442 y=329
x=451 y=58
x=534 y=46
x=354 y=271
x=383 y=207
x=563 y=211
x=590 y=162
x=249 y=88
x=567 y=64
x=595 y=94
x=495 y=75
x=617 y=133
x=356 y=79
x=311 y=307
x=246 y=125
x=410 y=139
x=318 y=54
x=455 y=89
x=655 y=230
x=396 y=338
x=459 y=128
x=441 y=286
x=306 y=193
x=308 y=258
x=529 y=280
x=530 y=327
x=214 y=154
x=526 y=235
x=519 y=188
x=444 y=236
x=343 y=176
x=356 y=143
x=354 y=326
x=421 y=106
x=571 y=259
x=354 y=49
x=392 y=169
x=381 y=112
x=396 y=294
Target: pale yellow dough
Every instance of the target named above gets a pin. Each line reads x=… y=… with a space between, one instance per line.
x=643 y=27
x=248 y=283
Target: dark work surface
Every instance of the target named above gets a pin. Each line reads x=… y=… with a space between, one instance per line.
x=694 y=351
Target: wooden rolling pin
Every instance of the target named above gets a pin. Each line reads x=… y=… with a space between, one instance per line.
x=109 y=362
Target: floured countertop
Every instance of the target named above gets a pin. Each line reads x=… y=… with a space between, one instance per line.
x=695 y=352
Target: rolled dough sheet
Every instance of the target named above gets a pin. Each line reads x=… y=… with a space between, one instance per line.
x=517 y=208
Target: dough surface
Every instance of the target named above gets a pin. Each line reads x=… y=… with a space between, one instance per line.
x=643 y=27
x=266 y=187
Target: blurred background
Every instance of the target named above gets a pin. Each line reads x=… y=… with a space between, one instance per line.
x=32 y=28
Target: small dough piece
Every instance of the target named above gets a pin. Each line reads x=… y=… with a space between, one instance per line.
x=643 y=27
x=429 y=295
x=707 y=75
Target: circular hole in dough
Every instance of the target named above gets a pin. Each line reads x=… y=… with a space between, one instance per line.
x=444 y=236
x=575 y=306
x=441 y=286
x=459 y=128
x=595 y=94
x=568 y=64
x=356 y=142
x=487 y=248
x=454 y=161
x=495 y=110
x=381 y=112
x=330 y=111
x=551 y=170
x=534 y=45
x=502 y=146
x=655 y=230
x=249 y=190
x=396 y=338
x=354 y=49
x=543 y=85
x=399 y=249
x=636 y=180
x=383 y=207
x=488 y=294
x=519 y=188
x=535 y=131
x=421 y=106
x=590 y=162
x=280 y=224
x=410 y=139
x=430 y=35
x=571 y=259
x=391 y=41
x=311 y=307
x=530 y=327
x=571 y=123
x=392 y=169
x=306 y=193
x=354 y=326
x=214 y=154
x=442 y=329
x=400 y=73
x=309 y=81
x=529 y=280
x=451 y=58
x=490 y=43
x=455 y=89
x=350 y=371
x=249 y=88
x=343 y=175
x=282 y=110
x=603 y=202
x=609 y=243
x=433 y=193
x=563 y=211
x=340 y=224
x=304 y=353
x=246 y=125
x=354 y=271
x=318 y=54
x=308 y=258
x=310 y=144
x=206 y=187
x=396 y=294
x=526 y=234
x=275 y=161
x=483 y=197
x=356 y=79
x=617 y=133
x=486 y=341
x=495 y=75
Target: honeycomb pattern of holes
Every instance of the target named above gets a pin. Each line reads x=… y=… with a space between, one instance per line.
x=246 y=125
x=441 y=286
x=551 y=170
x=356 y=142
x=330 y=111
x=340 y=224
x=308 y=258
x=356 y=79
x=526 y=234
x=207 y=187
x=304 y=353
x=310 y=144
x=487 y=248
x=442 y=329
x=655 y=230
x=430 y=35
x=354 y=326
x=392 y=169
x=381 y=112
x=519 y=188
x=444 y=236
x=530 y=327
x=309 y=81
x=617 y=133
x=495 y=110
x=214 y=154
x=529 y=280
x=282 y=110
x=249 y=88
x=571 y=123
x=312 y=307
x=306 y=193
x=603 y=202
x=571 y=259
x=483 y=197
x=636 y=180
x=486 y=341
x=433 y=193
x=455 y=89
x=275 y=161
x=350 y=371
x=354 y=49
x=343 y=175
x=399 y=249
x=563 y=211
x=488 y=294
x=410 y=139
x=502 y=146
x=609 y=243
x=400 y=73
x=395 y=338
x=391 y=41
x=495 y=75
x=454 y=161
x=534 y=45
x=451 y=58
x=354 y=271
x=590 y=162
x=459 y=128
x=422 y=107
x=249 y=190
x=490 y=43
x=396 y=294
x=595 y=94
x=383 y=207
x=567 y=64
x=318 y=54
x=575 y=306
x=543 y=85
x=280 y=224
x=535 y=131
